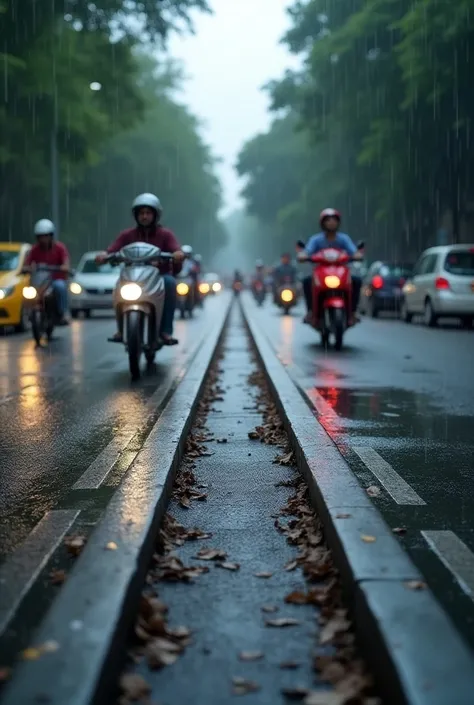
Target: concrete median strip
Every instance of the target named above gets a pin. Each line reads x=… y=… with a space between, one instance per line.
x=92 y=614
x=416 y=654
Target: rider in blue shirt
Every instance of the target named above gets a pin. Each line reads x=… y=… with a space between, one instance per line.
x=329 y=221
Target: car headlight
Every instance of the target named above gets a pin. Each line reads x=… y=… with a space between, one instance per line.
x=75 y=288
x=182 y=289
x=287 y=295
x=204 y=288
x=332 y=282
x=217 y=286
x=6 y=291
x=130 y=292
x=29 y=292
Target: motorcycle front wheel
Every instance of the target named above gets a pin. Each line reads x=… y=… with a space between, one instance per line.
x=134 y=327
x=338 y=327
x=37 y=325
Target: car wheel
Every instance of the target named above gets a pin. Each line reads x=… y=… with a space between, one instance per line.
x=405 y=315
x=430 y=316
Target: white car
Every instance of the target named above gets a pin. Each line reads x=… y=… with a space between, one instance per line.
x=93 y=286
x=442 y=285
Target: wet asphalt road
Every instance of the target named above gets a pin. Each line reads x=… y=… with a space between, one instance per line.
x=399 y=402
x=60 y=407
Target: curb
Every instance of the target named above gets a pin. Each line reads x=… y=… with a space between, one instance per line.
x=417 y=656
x=92 y=615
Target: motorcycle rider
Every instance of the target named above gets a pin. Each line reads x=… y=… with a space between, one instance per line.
x=329 y=220
x=285 y=272
x=147 y=211
x=48 y=251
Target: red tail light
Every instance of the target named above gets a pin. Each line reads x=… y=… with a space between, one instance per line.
x=377 y=282
x=441 y=284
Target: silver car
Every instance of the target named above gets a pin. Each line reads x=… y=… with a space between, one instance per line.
x=442 y=285
x=93 y=286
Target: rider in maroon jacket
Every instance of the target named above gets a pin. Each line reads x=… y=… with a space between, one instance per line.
x=147 y=212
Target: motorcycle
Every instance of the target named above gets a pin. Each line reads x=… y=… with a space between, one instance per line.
x=185 y=296
x=138 y=301
x=258 y=290
x=287 y=295
x=237 y=287
x=41 y=300
x=332 y=295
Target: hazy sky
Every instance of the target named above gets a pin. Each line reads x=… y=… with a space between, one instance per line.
x=234 y=52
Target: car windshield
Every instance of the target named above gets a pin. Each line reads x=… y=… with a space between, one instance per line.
x=91 y=267
x=396 y=270
x=8 y=260
x=460 y=262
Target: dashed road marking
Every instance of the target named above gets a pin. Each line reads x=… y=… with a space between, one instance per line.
x=455 y=555
x=395 y=485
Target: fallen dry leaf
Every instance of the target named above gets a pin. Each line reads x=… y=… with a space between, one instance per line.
x=75 y=544
x=162 y=652
x=324 y=697
x=250 y=655
x=57 y=577
x=291 y=565
x=295 y=693
x=343 y=516
x=111 y=546
x=241 y=686
x=399 y=530
x=222 y=440
x=211 y=554
x=228 y=566
x=290 y=665
x=263 y=574
x=269 y=608
x=286 y=459
x=368 y=539
x=282 y=622
x=416 y=585
x=374 y=491
x=297 y=598
x=253 y=435
x=334 y=626
x=179 y=632
x=134 y=687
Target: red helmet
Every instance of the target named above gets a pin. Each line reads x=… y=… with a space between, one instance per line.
x=328 y=213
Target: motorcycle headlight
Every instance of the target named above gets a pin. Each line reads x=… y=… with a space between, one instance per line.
x=217 y=286
x=29 y=292
x=204 y=288
x=287 y=295
x=75 y=288
x=7 y=291
x=332 y=282
x=130 y=292
x=182 y=289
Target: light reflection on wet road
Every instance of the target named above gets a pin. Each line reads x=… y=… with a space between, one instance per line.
x=403 y=397
x=62 y=405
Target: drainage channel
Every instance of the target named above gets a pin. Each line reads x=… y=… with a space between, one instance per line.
x=242 y=597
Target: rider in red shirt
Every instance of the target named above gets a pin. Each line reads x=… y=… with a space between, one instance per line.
x=147 y=211
x=47 y=251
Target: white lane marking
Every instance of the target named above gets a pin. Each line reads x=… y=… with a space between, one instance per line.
x=395 y=485
x=21 y=569
x=455 y=555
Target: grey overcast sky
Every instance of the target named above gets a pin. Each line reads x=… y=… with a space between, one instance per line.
x=234 y=52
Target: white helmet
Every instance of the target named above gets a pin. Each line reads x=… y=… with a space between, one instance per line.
x=44 y=227
x=187 y=249
x=148 y=200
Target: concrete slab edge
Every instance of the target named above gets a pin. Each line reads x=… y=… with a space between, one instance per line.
x=416 y=654
x=93 y=614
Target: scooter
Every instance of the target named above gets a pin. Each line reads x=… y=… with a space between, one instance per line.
x=41 y=300
x=139 y=298
x=258 y=290
x=287 y=295
x=237 y=287
x=332 y=295
x=185 y=299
